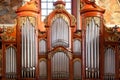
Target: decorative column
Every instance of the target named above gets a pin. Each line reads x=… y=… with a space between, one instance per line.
x=49 y=68
x=92 y=41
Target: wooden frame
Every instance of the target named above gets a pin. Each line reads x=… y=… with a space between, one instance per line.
x=108 y=36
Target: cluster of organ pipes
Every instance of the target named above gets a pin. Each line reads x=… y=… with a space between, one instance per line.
x=29 y=49
x=92 y=50
x=77 y=47
x=109 y=64
x=60 y=66
x=60 y=33
x=11 y=63
x=42 y=47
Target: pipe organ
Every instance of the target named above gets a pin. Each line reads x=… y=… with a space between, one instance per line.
x=58 y=48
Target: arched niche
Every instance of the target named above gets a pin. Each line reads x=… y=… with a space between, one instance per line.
x=60 y=65
x=43 y=69
x=109 y=63
x=60 y=33
x=42 y=47
x=77 y=69
x=77 y=47
x=10 y=68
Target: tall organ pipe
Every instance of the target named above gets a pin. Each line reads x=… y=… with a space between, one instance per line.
x=98 y=51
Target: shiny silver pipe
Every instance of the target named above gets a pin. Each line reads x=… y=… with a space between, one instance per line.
x=30 y=43
x=98 y=50
x=92 y=36
x=87 y=46
x=57 y=64
x=78 y=14
x=95 y=52
x=87 y=52
x=25 y=47
x=25 y=51
x=27 y=26
x=13 y=62
x=92 y=46
x=22 y=34
x=89 y=60
x=7 y=62
x=33 y=50
x=31 y=46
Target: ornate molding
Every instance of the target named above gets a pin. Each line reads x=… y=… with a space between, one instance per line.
x=69 y=54
x=42 y=59
x=61 y=16
x=22 y=21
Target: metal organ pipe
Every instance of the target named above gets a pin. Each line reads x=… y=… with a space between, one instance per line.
x=86 y=50
x=98 y=31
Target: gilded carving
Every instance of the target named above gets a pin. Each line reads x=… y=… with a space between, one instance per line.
x=112 y=38
x=61 y=16
x=77 y=59
x=23 y=20
x=69 y=54
x=113 y=34
x=96 y=19
x=60 y=6
x=9 y=34
x=42 y=59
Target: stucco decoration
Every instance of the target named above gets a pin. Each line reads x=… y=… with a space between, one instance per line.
x=112 y=13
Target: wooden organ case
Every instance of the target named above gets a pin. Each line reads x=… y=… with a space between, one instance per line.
x=60 y=52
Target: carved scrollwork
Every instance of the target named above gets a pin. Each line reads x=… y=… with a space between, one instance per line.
x=69 y=54
x=9 y=34
x=112 y=38
x=22 y=20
